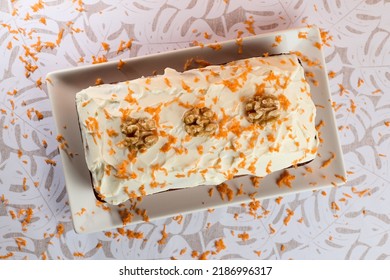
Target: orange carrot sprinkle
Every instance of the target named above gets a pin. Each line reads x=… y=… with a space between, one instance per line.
x=120 y=64
x=244 y=236
x=163 y=239
x=285 y=179
x=219 y=245
x=106 y=46
x=328 y=161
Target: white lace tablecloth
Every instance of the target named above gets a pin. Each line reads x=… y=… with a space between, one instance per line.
x=348 y=222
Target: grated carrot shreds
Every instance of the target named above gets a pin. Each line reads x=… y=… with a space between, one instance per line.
x=163 y=239
x=334 y=206
x=285 y=179
x=215 y=46
x=219 y=245
x=60 y=230
x=353 y=106
x=249 y=25
x=361 y=193
x=51 y=162
x=99 y=59
x=224 y=190
x=243 y=236
x=105 y=46
x=78 y=254
x=340 y=177
x=42 y=20
x=302 y=35
x=342 y=90
x=7 y=256
x=98 y=81
x=183 y=251
x=125 y=215
x=37 y=6
x=20 y=242
x=278 y=200
x=278 y=40
x=317 y=45
x=120 y=65
x=59 y=36
x=328 y=161
x=287 y=219
x=331 y=74
x=178 y=219
x=204 y=255
x=360 y=82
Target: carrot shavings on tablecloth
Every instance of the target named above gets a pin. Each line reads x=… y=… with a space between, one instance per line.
x=164 y=237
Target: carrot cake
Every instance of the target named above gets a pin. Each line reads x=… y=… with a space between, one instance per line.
x=199 y=127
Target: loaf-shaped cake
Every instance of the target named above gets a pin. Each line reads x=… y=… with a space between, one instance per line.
x=199 y=127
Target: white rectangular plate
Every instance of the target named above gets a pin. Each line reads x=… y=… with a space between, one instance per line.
x=63 y=86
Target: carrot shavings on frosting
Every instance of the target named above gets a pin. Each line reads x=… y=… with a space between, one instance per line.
x=185 y=87
x=93 y=126
x=285 y=179
x=167 y=82
x=122 y=170
x=168 y=145
x=284 y=102
x=111 y=132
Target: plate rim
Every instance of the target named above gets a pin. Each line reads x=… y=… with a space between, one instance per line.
x=51 y=76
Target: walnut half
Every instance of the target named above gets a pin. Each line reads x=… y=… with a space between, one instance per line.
x=262 y=109
x=200 y=122
x=139 y=134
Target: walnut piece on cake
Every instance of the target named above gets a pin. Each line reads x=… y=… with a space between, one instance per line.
x=139 y=134
x=262 y=109
x=200 y=122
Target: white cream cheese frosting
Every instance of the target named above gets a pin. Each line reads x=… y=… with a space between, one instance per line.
x=179 y=160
